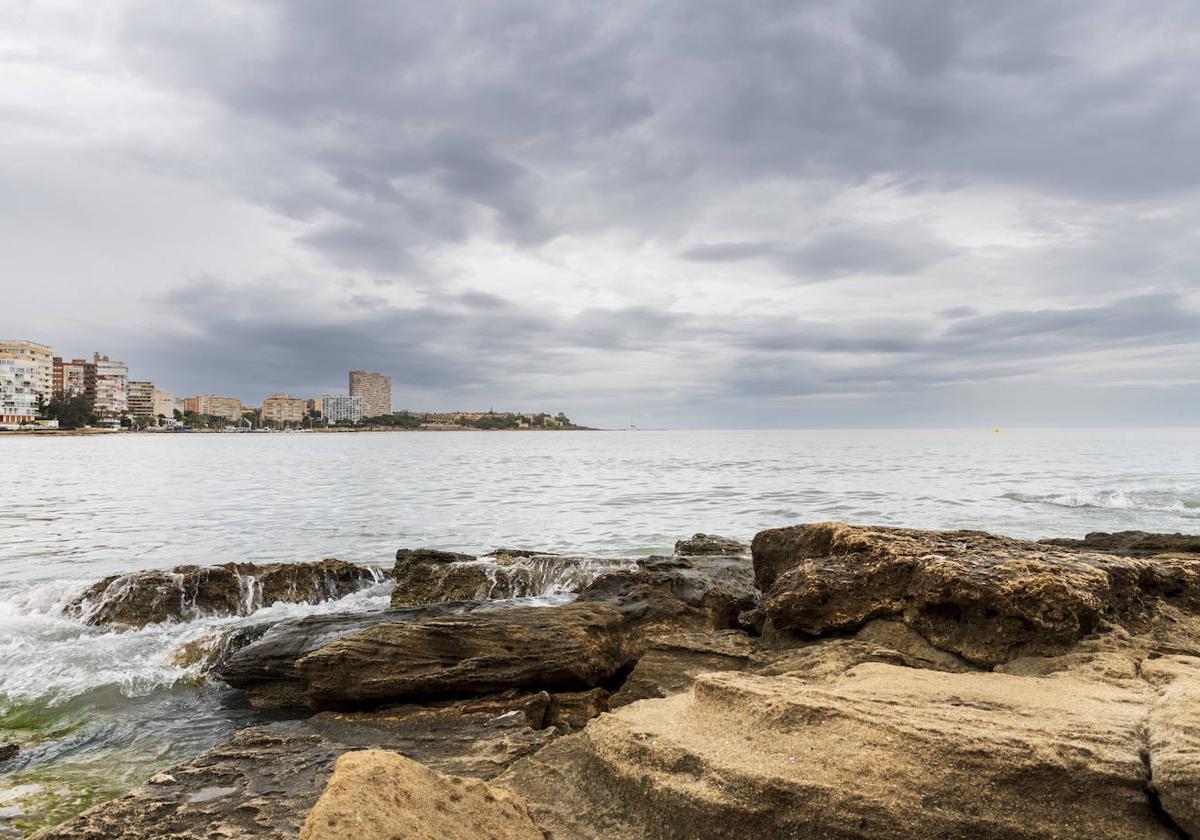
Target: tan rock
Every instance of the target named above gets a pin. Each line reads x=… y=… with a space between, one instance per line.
x=380 y=795
x=1173 y=737
x=881 y=752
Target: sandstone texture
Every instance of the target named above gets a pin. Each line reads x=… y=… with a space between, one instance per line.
x=187 y=592
x=379 y=795
x=987 y=599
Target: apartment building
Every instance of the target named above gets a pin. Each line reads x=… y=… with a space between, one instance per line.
x=214 y=405
x=339 y=408
x=106 y=384
x=163 y=403
x=283 y=408
x=68 y=377
x=141 y=398
x=41 y=359
x=18 y=390
x=375 y=390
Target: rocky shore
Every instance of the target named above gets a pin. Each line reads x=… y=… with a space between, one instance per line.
x=829 y=681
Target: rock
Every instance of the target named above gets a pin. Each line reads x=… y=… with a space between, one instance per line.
x=823 y=661
x=8 y=751
x=1132 y=543
x=188 y=592
x=571 y=710
x=571 y=647
x=987 y=599
x=430 y=577
x=265 y=669
x=701 y=544
x=1173 y=743
x=264 y=780
x=672 y=661
x=880 y=751
x=214 y=650
x=914 y=651
x=259 y=784
x=379 y=795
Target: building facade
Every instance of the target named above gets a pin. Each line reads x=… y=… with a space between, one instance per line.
x=283 y=408
x=141 y=398
x=375 y=390
x=106 y=384
x=214 y=405
x=339 y=408
x=40 y=357
x=163 y=403
x=68 y=377
x=18 y=390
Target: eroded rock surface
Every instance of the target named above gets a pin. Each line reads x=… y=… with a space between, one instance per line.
x=379 y=795
x=879 y=751
x=988 y=599
x=672 y=661
x=187 y=592
x=1133 y=543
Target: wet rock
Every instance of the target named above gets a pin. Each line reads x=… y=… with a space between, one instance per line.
x=671 y=662
x=8 y=751
x=987 y=599
x=379 y=794
x=188 y=592
x=571 y=647
x=431 y=577
x=701 y=544
x=266 y=669
x=263 y=782
x=880 y=751
x=212 y=651
x=1133 y=543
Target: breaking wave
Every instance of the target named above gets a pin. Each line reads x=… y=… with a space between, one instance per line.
x=1137 y=501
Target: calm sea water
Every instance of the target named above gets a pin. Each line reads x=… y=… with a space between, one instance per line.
x=98 y=711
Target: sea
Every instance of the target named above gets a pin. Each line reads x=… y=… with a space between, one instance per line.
x=97 y=711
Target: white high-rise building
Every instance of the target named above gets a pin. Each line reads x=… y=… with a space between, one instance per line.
x=107 y=385
x=339 y=408
x=42 y=359
x=18 y=390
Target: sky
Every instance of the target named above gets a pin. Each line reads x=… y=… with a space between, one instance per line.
x=674 y=214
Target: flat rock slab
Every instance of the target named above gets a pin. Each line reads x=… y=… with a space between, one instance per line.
x=988 y=599
x=379 y=795
x=1133 y=543
x=880 y=752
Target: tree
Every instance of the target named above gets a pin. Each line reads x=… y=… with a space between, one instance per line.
x=72 y=411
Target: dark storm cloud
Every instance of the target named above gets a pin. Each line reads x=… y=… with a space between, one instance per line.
x=438 y=121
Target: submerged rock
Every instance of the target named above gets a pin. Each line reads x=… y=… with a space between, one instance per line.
x=1133 y=543
x=379 y=794
x=8 y=751
x=188 y=592
x=988 y=599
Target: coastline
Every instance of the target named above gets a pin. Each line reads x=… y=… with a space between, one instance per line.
x=902 y=669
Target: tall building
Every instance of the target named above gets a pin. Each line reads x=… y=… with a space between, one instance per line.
x=42 y=359
x=283 y=408
x=18 y=390
x=214 y=405
x=68 y=377
x=141 y=398
x=375 y=390
x=339 y=408
x=163 y=403
x=106 y=383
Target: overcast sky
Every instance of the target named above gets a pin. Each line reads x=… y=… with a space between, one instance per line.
x=683 y=214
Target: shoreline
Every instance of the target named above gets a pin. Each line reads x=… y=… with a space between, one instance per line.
x=370 y=429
